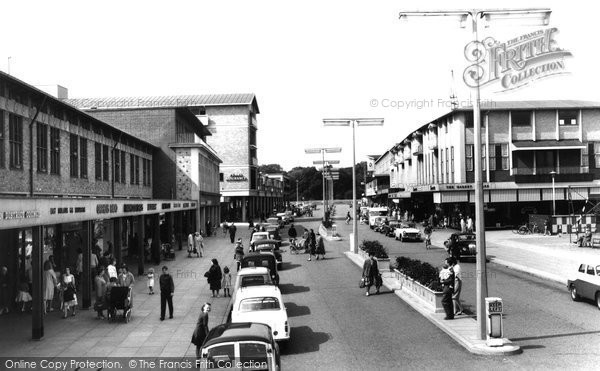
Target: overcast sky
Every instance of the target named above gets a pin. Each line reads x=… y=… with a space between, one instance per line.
x=305 y=61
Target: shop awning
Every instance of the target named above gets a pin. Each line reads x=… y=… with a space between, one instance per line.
x=538 y=145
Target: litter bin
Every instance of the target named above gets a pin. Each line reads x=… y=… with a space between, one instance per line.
x=495 y=327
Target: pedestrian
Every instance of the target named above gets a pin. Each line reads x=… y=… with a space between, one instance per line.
x=312 y=244
x=190 y=246
x=111 y=270
x=254 y=230
x=4 y=290
x=50 y=284
x=320 y=250
x=348 y=218
x=306 y=240
x=150 y=281
x=371 y=274
x=199 y=241
x=79 y=265
x=292 y=233
x=447 y=280
x=167 y=289
x=208 y=228
x=463 y=225
x=100 y=286
x=232 y=230
x=69 y=292
x=548 y=227
x=128 y=277
x=214 y=276
x=201 y=330
x=469 y=224
x=457 y=306
x=226 y=284
x=24 y=298
x=238 y=255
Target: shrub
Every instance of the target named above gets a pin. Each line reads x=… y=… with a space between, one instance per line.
x=424 y=273
x=375 y=247
x=327 y=223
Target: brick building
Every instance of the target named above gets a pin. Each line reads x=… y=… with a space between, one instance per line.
x=70 y=184
x=186 y=167
x=525 y=145
x=231 y=120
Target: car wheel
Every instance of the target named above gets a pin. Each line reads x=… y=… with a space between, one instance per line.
x=575 y=296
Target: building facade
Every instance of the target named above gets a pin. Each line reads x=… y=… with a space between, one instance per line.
x=186 y=167
x=525 y=146
x=72 y=185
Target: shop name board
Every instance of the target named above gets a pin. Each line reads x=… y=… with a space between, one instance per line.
x=166 y=206
x=237 y=178
x=66 y=210
x=130 y=208
x=106 y=208
x=151 y=207
x=461 y=186
x=21 y=214
x=177 y=204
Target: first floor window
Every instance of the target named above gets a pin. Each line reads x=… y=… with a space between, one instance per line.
x=504 y=152
x=2 y=136
x=452 y=163
x=15 y=140
x=131 y=168
x=117 y=161
x=483 y=167
x=83 y=157
x=105 y=163
x=74 y=152
x=137 y=170
x=493 y=157
x=597 y=154
x=469 y=156
x=442 y=165
x=54 y=151
x=42 y=147
x=98 y=160
x=123 y=170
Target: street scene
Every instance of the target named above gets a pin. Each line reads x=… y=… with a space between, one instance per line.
x=166 y=205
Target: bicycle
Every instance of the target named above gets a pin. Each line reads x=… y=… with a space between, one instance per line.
x=528 y=228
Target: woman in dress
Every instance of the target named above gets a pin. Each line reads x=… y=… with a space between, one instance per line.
x=214 y=276
x=50 y=283
x=320 y=247
x=69 y=293
x=201 y=330
x=312 y=244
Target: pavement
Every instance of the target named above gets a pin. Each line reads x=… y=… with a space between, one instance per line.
x=552 y=258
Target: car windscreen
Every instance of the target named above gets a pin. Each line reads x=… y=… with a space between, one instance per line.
x=255 y=281
x=219 y=355
x=259 y=237
x=255 y=355
x=377 y=213
x=255 y=304
x=255 y=262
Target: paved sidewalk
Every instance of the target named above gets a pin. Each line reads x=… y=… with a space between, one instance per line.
x=145 y=334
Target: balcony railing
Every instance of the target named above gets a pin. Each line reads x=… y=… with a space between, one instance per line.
x=418 y=150
x=548 y=170
x=186 y=138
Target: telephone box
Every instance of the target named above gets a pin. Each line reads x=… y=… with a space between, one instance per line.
x=495 y=327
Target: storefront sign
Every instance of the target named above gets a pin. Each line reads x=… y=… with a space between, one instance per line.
x=237 y=178
x=516 y=62
x=176 y=205
x=166 y=206
x=21 y=214
x=130 y=208
x=151 y=207
x=104 y=208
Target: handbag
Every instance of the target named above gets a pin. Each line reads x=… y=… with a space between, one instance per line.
x=362 y=283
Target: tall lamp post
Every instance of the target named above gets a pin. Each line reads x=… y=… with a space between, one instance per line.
x=476 y=15
x=354 y=123
x=553 y=173
x=323 y=151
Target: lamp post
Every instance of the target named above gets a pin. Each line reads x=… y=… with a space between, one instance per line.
x=476 y=15
x=553 y=173
x=322 y=151
x=353 y=123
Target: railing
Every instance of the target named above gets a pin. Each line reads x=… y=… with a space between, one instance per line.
x=418 y=150
x=186 y=138
x=548 y=170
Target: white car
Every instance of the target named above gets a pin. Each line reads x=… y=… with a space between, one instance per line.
x=251 y=276
x=375 y=212
x=407 y=231
x=258 y=236
x=262 y=304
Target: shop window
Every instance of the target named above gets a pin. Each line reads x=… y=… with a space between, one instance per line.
x=521 y=118
x=469 y=157
x=83 y=158
x=15 y=140
x=567 y=117
x=54 y=151
x=42 y=147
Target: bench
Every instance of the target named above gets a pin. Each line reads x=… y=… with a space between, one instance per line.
x=595 y=242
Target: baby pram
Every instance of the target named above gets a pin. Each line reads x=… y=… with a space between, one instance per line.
x=168 y=251
x=119 y=303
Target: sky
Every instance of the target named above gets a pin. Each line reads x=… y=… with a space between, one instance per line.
x=305 y=61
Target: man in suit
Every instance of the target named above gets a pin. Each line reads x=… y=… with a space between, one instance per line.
x=167 y=289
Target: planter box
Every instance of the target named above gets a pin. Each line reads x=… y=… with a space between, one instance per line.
x=430 y=298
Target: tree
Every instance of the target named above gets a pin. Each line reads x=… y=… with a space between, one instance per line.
x=270 y=168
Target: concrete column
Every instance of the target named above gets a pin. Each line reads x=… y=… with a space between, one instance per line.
x=37 y=292
x=169 y=217
x=118 y=243
x=140 y=229
x=155 y=225
x=244 y=215
x=86 y=280
x=179 y=228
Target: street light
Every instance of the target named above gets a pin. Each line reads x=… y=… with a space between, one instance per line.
x=353 y=123
x=322 y=151
x=553 y=173
x=535 y=16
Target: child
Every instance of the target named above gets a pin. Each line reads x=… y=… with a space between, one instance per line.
x=239 y=253
x=23 y=296
x=151 y=281
x=226 y=284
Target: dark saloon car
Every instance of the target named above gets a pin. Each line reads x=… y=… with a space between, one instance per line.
x=461 y=245
x=388 y=229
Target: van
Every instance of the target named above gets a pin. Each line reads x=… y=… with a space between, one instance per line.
x=374 y=212
x=250 y=345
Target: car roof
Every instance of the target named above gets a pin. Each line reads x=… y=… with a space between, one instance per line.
x=266 y=242
x=243 y=331
x=258 y=255
x=253 y=270
x=257 y=292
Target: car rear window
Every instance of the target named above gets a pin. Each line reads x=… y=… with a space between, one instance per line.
x=254 y=354
x=259 y=263
x=254 y=304
x=220 y=354
x=253 y=281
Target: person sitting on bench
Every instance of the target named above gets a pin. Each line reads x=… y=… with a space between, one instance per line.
x=586 y=239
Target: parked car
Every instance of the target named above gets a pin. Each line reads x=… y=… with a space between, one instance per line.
x=258 y=236
x=375 y=212
x=251 y=276
x=270 y=246
x=388 y=229
x=585 y=282
x=262 y=304
x=275 y=222
x=407 y=231
x=239 y=342
x=464 y=245
x=377 y=223
x=265 y=259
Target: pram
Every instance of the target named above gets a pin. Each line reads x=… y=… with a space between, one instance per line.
x=119 y=300
x=168 y=251
x=296 y=247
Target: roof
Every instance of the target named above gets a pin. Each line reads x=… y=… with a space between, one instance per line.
x=252 y=270
x=258 y=291
x=265 y=242
x=243 y=331
x=205 y=100
x=532 y=105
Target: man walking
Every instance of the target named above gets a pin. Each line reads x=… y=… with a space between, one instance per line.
x=232 y=230
x=447 y=280
x=199 y=241
x=371 y=274
x=167 y=289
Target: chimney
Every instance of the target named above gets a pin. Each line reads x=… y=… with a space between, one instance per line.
x=56 y=91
